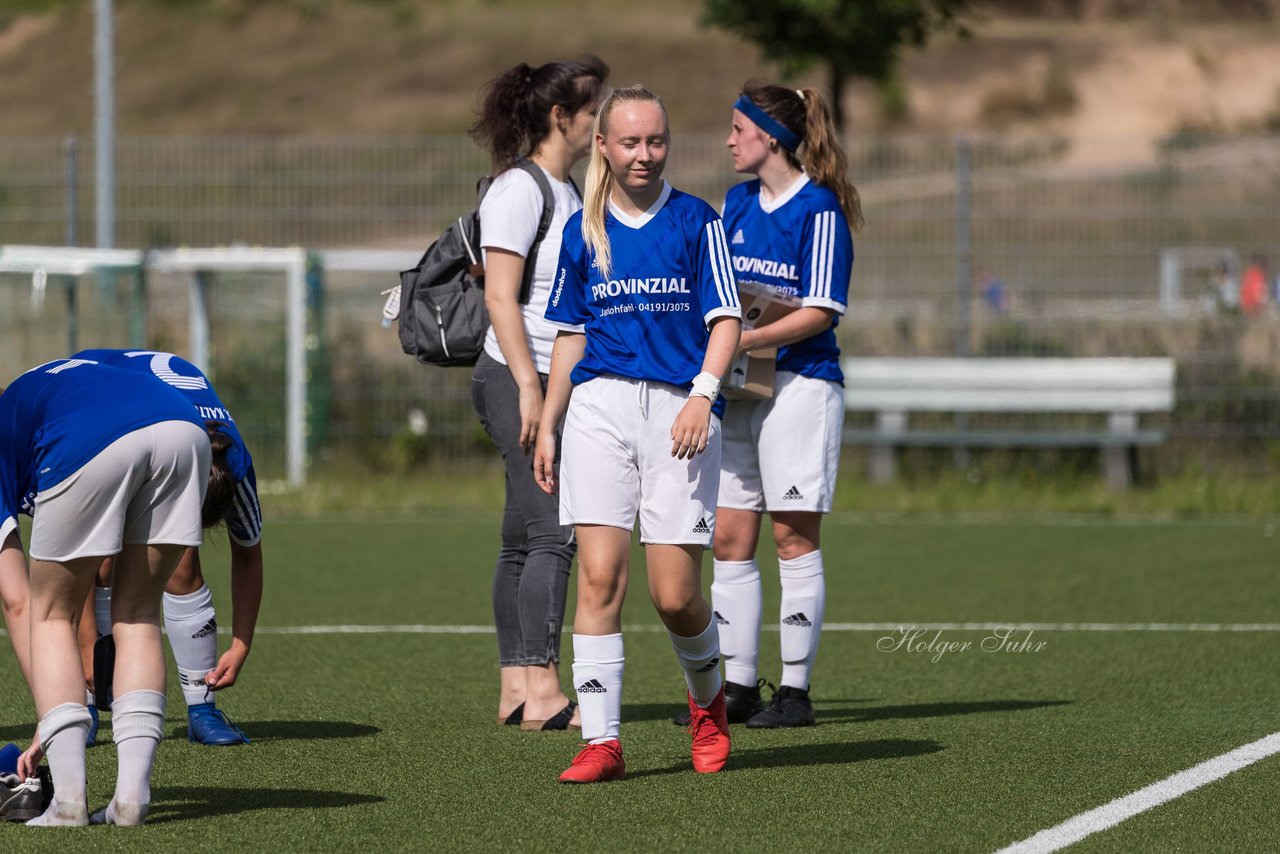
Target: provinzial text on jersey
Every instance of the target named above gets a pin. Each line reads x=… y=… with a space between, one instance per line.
x=615 y=287
x=764 y=267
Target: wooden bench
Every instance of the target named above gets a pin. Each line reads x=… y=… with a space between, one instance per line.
x=1120 y=388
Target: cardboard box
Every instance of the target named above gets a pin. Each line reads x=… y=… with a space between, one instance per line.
x=752 y=374
x=762 y=305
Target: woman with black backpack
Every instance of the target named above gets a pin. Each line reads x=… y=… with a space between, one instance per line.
x=543 y=115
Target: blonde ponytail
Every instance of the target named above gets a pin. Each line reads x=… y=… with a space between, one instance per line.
x=600 y=176
x=595 y=200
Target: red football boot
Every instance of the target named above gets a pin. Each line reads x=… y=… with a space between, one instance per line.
x=596 y=763
x=710 y=730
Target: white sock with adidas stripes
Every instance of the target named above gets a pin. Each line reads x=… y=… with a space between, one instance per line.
x=699 y=658
x=193 y=633
x=737 y=597
x=804 y=598
x=597 y=676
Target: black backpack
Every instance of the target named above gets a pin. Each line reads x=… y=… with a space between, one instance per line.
x=443 y=320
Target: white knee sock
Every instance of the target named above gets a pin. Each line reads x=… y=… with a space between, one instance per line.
x=102 y=609
x=597 y=673
x=62 y=732
x=699 y=658
x=193 y=633
x=137 y=724
x=804 y=597
x=738 y=599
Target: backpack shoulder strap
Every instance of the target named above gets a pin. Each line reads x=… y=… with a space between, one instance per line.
x=544 y=224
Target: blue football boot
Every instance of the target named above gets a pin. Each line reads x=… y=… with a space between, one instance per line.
x=206 y=724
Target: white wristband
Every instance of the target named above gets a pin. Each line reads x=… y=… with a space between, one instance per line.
x=706 y=385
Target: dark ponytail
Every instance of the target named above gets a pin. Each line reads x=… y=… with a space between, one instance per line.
x=515 y=107
x=222 y=483
x=806 y=113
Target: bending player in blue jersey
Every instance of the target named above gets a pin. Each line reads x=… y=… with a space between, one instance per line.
x=790 y=234
x=106 y=462
x=645 y=271
x=189 y=618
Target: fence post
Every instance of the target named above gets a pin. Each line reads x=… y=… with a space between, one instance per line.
x=138 y=311
x=69 y=282
x=104 y=121
x=319 y=392
x=964 y=275
x=70 y=147
x=964 y=245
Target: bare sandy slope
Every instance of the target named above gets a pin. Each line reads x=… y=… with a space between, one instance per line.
x=367 y=70
x=1132 y=84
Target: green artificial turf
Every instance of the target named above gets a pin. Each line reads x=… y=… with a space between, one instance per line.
x=387 y=740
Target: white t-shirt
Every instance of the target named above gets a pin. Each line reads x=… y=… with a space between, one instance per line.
x=509 y=218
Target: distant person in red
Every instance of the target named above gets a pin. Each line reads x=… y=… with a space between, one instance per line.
x=1253 y=287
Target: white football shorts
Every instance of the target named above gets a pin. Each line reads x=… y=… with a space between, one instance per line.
x=616 y=461
x=783 y=453
x=146 y=487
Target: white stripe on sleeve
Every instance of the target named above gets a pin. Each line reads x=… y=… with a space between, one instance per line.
x=717 y=269
x=247 y=524
x=823 y=251
x=722 y=243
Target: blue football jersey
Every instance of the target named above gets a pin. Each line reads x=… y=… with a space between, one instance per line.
x=244 y=519
x=671 y=277
x=800 y=246
x=57 y=417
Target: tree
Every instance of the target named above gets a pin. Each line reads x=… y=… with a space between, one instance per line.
x=853 y=38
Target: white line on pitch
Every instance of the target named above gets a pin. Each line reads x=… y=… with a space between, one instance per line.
x=411 y=629
x=1108 y=815
x=829 y=627
x=1052 y=627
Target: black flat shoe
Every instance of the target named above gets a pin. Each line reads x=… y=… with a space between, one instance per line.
x=516 y=716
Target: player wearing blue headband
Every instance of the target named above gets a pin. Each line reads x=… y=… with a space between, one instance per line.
x=789 y=232
x=646 y=301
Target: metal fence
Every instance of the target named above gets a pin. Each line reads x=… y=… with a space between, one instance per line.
x=982 y=247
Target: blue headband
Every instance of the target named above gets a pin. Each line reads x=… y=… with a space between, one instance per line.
x=767 y=123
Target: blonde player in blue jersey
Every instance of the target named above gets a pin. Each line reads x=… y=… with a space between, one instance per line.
x=189 y=617
x=646 y=301
x=107 y=462
x=789 y=232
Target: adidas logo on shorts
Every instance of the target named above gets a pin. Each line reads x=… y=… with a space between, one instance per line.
x=738 y=238
x=592 y=686
x=793 y=494
x=709 y=666
x=701 y=527
x=797 y=619
x=720 y=620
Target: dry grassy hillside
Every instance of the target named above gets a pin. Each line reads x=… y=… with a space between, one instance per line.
x=414 y=68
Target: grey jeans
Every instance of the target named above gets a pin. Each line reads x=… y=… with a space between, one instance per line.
x=532 y=572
